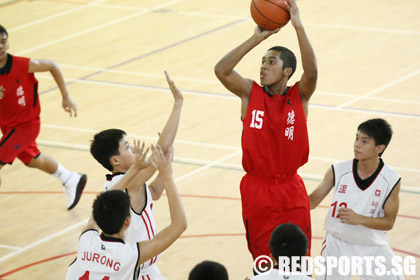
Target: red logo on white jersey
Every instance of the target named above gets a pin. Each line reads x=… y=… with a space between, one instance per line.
x=342 y=189
x=378 y=193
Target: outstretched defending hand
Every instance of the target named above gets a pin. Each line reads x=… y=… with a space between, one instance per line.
x=161 y=162
x=175 y=91
x=140 y=154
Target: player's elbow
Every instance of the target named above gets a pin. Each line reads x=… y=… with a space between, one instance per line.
x=312 y=205
x=184 y=225
x=219 y=71
x=389 y=224
x=312 y=202
x=179 y=228
x=312 y=76
x=156 y=195
x=51 y=65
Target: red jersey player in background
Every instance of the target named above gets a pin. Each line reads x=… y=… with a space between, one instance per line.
x=20 y=121
x=275 y=137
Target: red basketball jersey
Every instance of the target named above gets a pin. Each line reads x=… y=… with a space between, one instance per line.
x=19 y=101
x=275 y=137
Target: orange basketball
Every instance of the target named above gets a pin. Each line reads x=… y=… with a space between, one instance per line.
x=269 y=14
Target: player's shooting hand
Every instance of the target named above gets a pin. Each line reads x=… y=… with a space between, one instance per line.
x=263 y=34
x=294 y=12
x=69 y=106
x=161 y=162
x=140 y=154
x=348 y=216
x=178 y=96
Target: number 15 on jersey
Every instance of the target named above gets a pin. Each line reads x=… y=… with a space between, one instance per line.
x=257 y=119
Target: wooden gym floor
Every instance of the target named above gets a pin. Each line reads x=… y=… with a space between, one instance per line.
x=113 y=54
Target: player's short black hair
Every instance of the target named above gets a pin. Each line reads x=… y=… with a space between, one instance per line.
x=3 y=30
x=208 y=270
x=378 y=129
x=288 y=57
x=110 y=209
x=105 y=144
x=288 y=240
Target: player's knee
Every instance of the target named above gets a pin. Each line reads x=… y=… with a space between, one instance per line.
x=36 y=162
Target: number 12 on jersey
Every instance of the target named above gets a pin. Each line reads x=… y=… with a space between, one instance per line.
x=334 y=205
x=257 y=119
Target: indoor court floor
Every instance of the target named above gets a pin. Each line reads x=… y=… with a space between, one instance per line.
x=113 y=54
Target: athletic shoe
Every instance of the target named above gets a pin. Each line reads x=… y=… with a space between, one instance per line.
x=74 y=188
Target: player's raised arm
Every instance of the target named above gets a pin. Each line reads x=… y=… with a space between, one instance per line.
x=224 y=69
x=166 y=140
x=128 y=180
x=231 y=79
x=309 y=77
x=178 y=224
x=167 y=136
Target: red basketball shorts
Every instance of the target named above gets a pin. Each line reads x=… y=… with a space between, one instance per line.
x=19 y=142
x=267 y=203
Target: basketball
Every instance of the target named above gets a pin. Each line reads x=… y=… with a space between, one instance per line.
x=269 y=14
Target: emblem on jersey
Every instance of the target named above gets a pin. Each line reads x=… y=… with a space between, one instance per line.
x=374 y=205
x=291 y=117
x=21 y=97
x=290 y=129
x=342 y=189
x=2 y=90
x=378 y=193
x=103 y=247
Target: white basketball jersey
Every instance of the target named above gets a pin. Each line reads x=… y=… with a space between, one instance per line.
x=143 y=225
x=369 y=202
x=100 y=257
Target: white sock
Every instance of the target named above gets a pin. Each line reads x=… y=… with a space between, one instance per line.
x=62 y=174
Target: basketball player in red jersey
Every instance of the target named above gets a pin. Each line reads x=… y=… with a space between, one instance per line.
x=275 y=137
x=19 y=117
